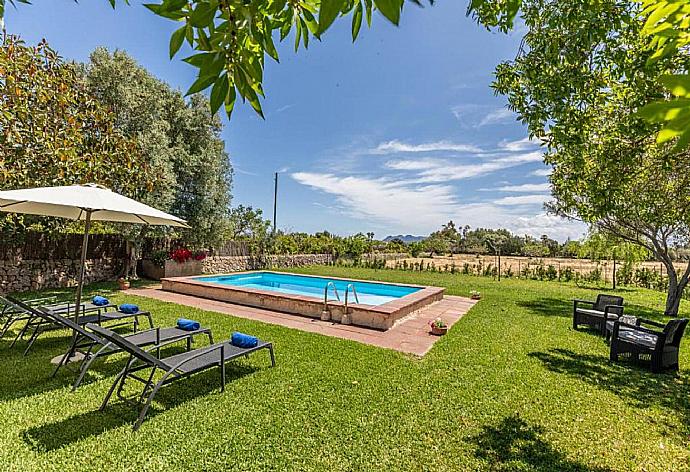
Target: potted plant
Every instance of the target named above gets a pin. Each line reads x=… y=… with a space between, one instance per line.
x=438 y=327
x=123 y=283
x=475 y=295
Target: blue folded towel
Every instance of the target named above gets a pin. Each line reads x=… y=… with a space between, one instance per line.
x=100 y=301
x=243 y=340
x=129 y=308
x=188 y=325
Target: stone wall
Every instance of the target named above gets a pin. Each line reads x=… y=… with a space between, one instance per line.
x=226 y=264
x=21 y=275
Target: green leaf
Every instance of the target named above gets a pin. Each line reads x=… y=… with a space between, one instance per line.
x=270 y=47
x=328 y=13
x=658 y=112
x=298 y=34
x=390 y=9
x=357 y=21
x=176 y=40
x=368 y=10
x=200 y=84
x=201 y=59
x=230 y=101
x=203 y=15
x=678 y=85
x=219 y=92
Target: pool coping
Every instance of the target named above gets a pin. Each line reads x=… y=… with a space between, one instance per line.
x=379 y=317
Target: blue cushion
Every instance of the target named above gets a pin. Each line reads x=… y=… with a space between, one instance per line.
x=129 y=308
x=243 y=340
x=100 y=301
x=188 y=325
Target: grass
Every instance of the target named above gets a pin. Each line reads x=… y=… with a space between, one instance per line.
x=511 y=387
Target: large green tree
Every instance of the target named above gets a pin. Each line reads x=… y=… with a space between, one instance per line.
x=581 y=76
x=54 y=131
x=179 y=140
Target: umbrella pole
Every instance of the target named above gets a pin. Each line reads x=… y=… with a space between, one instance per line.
x=80 y=283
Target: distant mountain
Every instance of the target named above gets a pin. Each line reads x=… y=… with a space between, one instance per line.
x=406 y=238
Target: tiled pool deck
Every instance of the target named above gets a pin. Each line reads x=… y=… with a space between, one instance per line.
x=410 y=335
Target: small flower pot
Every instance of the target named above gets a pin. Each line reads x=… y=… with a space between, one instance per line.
x=436 y=331
x=123 y=284
x=475 y=297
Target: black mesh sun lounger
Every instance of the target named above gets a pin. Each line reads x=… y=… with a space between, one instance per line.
x=85 y=339
x=10 y=313
x=40 y=323
x=173 y=367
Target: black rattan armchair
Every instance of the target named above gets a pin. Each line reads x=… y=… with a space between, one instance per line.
x=605 y=308
x=656 y=349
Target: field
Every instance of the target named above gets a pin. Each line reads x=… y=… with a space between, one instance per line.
x=511 y=387
x=517 y=263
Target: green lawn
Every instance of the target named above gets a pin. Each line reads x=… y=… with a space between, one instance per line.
x=511 y=387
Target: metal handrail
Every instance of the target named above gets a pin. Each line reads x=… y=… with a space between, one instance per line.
x=325 y=294
x=347 y=291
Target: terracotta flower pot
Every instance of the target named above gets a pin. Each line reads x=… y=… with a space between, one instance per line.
x=476 y=297
x=123 y=284
x=436 y=331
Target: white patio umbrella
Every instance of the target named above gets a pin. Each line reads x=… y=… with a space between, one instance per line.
x=89 y=203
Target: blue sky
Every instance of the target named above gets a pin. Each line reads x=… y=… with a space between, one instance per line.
x=397 y=133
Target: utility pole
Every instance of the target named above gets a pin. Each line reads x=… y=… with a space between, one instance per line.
x=275 y=202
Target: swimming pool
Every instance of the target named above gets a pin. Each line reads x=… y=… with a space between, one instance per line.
x=369 y=293
x=379 y=306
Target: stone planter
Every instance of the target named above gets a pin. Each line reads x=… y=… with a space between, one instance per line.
x=436 y=331
x=151 y=270
x=175 y=269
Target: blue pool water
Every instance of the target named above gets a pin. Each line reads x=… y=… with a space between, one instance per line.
x=370 y=293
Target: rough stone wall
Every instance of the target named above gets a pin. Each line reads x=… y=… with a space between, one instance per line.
x=225 y=264
x=22 y=275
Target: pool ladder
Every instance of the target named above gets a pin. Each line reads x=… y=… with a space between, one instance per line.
x=326 y=314
x=346 y=316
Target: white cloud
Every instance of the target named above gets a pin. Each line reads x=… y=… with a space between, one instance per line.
x=545 y=187
x=519 y=145
x=443 y=170
x=416 y=164
x=395 y=146
x=536 y=199
x=542 y=172
x=386 y=200
x=498 y=116
x=554 y=226
x=406 y=206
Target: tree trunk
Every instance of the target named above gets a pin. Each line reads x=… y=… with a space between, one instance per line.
x=676 y=287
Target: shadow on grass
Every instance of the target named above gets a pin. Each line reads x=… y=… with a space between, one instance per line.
x=548 y=307
x=564 y=308
x=52 y=436
x=638 y=387
x=516 y=445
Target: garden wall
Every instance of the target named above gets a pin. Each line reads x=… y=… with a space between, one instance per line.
x=36 y=260
x=225 y=264
x=20 y=275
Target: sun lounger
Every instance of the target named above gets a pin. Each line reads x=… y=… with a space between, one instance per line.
x=173 y=368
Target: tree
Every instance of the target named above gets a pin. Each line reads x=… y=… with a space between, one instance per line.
x=667 y=30
x=246 y=223
x=580 y=78
x=179 y=142
x=232 y=37
x=54 y=131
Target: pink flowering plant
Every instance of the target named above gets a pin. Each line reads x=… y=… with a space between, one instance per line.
x=438 y=323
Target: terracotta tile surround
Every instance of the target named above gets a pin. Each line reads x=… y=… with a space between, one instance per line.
x=409 y=335
x=380 y=317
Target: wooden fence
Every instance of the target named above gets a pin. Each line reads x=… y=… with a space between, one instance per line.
x=39 y=246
